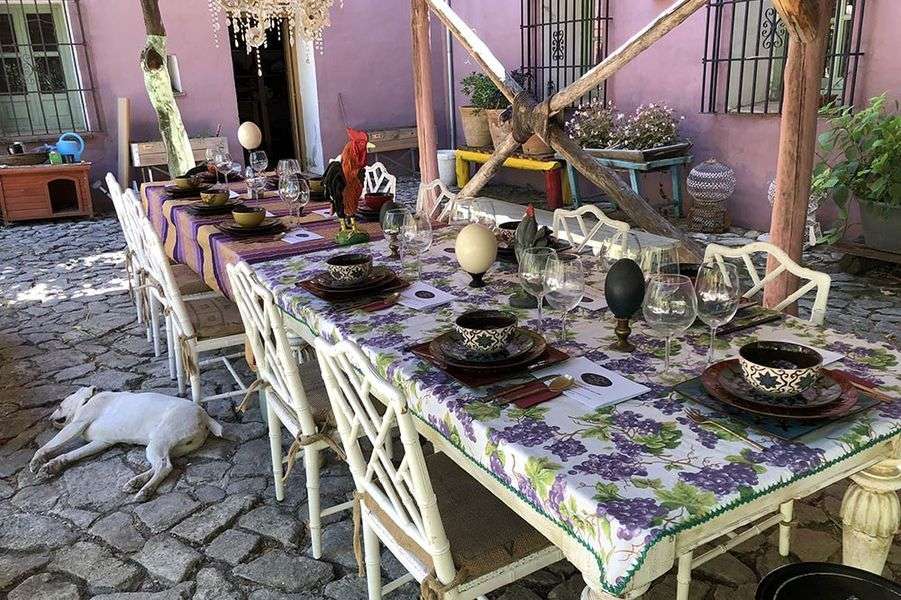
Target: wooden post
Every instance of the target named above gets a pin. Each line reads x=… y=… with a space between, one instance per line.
x=797 y=143
x=426 y=130
x=123 y=136
x=159 y=89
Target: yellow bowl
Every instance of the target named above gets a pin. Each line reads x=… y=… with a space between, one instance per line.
x=214 y=198
x=184 y=183
x=249 y=217
x=315 y=184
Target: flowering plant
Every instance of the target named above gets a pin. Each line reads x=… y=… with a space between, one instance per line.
x=598 y=125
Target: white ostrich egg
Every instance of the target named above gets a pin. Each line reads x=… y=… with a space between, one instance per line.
x=249 y=135
x=476 y=248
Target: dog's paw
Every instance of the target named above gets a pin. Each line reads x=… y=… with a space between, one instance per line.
x=51 y=468
x=142 y=496
x=37 y=461
x=133 y=484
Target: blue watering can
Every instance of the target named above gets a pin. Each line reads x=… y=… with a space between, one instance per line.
x=70 y=143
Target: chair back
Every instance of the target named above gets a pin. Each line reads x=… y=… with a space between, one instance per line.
x=273 y=354
x=595 y=237
x=814 y=279
x=152 y=257
x=376 y=178
x=401 y=490
x=443 y=204
x=115 y=193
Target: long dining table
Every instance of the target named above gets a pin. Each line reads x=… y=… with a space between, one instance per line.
x=625 y=490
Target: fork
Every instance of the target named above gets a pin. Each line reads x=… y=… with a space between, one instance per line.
x=700 y=419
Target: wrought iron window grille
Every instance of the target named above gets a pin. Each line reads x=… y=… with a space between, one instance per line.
x=745 y=47
x=560 y=41
x=46 y=83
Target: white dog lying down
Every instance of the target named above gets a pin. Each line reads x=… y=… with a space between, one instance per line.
x=167 y=425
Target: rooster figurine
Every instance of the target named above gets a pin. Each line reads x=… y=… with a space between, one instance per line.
x=343 y=183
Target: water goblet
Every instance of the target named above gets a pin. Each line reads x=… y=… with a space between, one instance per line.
x=564 y=284
x=289 y=191
x=288 y=166
x=719 y=294
x=259 y=161
x=223 y=165
x=670 y=307
x=415 y=239
x=392 y=222
x=659 y=259
x=532 y=265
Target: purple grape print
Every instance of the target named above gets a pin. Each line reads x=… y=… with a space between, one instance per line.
x=632 y=514
x=612 y=467
x=722 y=480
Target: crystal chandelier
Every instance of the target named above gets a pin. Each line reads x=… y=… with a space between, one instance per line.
x=250 y=19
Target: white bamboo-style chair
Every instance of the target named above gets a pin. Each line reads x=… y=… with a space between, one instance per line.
x=376 y=178
x=593 y=237
x=133 y=273
x=445 y=202
x=202 y=325
x=283 y=399
x=453 y=536
x=813 y=279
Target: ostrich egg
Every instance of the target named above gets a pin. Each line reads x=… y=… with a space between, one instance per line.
x=476 y=248
x=249 y=135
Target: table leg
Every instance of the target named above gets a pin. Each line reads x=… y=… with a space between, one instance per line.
x=462 y=172
x=590 y=593
x=553 y=186
x=573 y=185
x=871 y=514
x=676 y=175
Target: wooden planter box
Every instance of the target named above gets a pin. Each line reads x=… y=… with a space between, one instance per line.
x=640 y=156
x=45 y=191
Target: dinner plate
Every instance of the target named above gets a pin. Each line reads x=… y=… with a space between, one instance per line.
x=175 y=191
x=268 y=226
x=508 y=253
x=491 y=363
x=826 y=390
x=451 y=344
x=199 y=208
x=378 y=277
x=843 y=405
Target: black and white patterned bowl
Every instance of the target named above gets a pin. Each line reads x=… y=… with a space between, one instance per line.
x=349 y=268
x=485 y=331
x=779 y=369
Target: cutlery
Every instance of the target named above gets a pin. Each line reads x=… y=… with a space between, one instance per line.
x=873 y=392
x=754 y=323
x=362 y=304
x=516 y=388
x=542 y=364
x=558 y=384
x=389 y=301
x=702 y=420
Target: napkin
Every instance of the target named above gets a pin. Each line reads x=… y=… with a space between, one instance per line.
x=422 y=296
x=592 y=299
x=300 y=235
x=595 y=385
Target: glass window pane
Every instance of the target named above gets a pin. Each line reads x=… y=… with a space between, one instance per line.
x=50 y=74
x=41 y=31
x=12 y=80
x=7 y=34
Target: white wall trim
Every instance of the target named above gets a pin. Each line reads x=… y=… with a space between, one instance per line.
x=309 y=104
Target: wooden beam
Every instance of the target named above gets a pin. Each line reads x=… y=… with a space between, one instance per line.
x=797 y=145
x=638 y=43
x=613 y=186
x=426 y=130
x=123 y=138
x=501 y=153
x=483 y=55
x=800 y=17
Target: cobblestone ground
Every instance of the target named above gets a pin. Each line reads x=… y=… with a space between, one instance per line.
x=214 y=530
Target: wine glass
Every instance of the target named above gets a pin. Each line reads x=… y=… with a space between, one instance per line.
x=719 y=294
x=289 y=192
x=415 y=239
x=670 y=307
x=392 y=222
x=304 y=197
x=482 y=211
x=532 y=265
x=564 y=283
x=255 y=183
x=623 y=244
x=659 y=259
x=209 y=156
x=259 y=161
x=288 y=166
x=223 y=165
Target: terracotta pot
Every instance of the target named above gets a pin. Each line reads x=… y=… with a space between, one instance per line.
x=535 y=145
x=497 y=128
x=475 y=126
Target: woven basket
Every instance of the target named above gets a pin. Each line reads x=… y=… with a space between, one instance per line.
x=708 y=217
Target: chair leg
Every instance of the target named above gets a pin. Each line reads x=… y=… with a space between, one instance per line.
x=275 y=446
x=170 y=347
x=785 y=527
x=683 y=576
x=179 y=370
x=373 y=561
x=311 y=466
x=196 y=387
x=155 y=326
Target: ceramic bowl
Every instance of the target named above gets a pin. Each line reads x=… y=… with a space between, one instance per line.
x=485 y=331
x=375 y=201
x=186 y=182
x=248 y=216
x=779 y=369
x=214 y=197
x=349 y=268
x=507 y=231
x=315 y=184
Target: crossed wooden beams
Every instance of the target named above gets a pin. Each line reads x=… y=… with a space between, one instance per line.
x=531 y=117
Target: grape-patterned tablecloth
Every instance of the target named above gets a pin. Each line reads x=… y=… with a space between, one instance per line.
x=619 y=478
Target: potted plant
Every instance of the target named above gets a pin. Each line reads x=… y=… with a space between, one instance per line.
x=649 y=133
x=860 y=156
x=483 y=95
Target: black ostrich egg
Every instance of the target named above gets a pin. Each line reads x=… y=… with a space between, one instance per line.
x=624 y=288
x=385 y=208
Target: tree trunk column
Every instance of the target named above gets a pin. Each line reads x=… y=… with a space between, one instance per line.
x=797 y=145
x=426 y=130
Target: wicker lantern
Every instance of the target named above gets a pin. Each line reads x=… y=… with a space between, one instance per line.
x=711 y=184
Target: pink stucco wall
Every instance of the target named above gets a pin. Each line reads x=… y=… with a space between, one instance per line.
x=115 y=34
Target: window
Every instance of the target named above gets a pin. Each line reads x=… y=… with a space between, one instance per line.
x=45 y=80
x=561 y=40
x=745 y=49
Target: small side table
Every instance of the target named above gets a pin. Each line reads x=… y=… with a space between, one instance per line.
x=555 y=186
x=673 y=165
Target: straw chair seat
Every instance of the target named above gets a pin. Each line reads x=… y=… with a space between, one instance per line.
x=188 y=282
x=214 y=318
